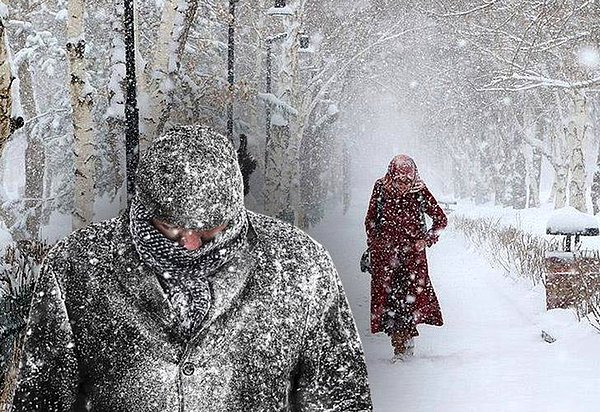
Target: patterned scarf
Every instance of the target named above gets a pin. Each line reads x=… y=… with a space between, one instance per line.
x=185 y=274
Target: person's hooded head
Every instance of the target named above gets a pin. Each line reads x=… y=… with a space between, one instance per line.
x=402 y=175
x=189 y=178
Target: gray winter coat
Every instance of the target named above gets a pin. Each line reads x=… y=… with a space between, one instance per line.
x=276 y=335
x=102 y=337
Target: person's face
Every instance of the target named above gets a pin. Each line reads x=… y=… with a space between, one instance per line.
x=403 y=177
x=188 y=238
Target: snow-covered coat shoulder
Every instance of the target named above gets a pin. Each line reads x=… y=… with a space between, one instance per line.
x=279 y=335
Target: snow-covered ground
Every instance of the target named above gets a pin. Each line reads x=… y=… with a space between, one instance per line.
x=489 y=356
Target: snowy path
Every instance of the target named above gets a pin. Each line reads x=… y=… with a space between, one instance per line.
x=489 y=356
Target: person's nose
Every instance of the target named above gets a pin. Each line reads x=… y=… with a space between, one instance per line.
x=191 y=240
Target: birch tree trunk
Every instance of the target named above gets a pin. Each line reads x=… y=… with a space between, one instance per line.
x=534 y=179
x=157 y=75
x=35 y=160
x=277 y=188
x=281 y=177
x=561 y=169
x=535 y=162
x=115 y=114
x=559 y=157
x=81 y=102
x=346 y=177
x=183 y=23
x=289 y=76
x=5 y=89
x=5 y=110
x=596 y=188
x=157 y=82
x=577 y=133
x=562 y=174
x=536 y=174
x=35 y=155
x=255 y=110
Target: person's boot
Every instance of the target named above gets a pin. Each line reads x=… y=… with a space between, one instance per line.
x=410 y=347
x=399 y=345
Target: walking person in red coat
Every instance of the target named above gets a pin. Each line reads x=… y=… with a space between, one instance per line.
x=401 y=292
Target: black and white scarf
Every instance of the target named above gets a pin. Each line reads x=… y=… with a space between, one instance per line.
x=185 y=274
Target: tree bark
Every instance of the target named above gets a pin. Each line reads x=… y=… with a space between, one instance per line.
x=277 y=190
x=559 y=161
x=518 y=182
x=81 y=101
x=288 y=78
x=158 y=73
x=562 y=174
x=35 y=160
x=6 y=80
x=115 y=114
x=132 y=120
x=535 y=167
x=280 y=199
x=35 y=156
x=181 y=35
x=577 y=133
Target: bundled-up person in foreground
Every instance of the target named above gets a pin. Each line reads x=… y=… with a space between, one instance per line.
x=401 y=292
x=189 y=302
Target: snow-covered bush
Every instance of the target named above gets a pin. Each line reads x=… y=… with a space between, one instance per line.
x=21 y=265
x=588 y=287
x=523 y=254
x=516 y=251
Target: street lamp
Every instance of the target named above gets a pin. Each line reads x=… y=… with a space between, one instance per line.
x=132 y=135
x=231 y=67
x=280 y=9
x=304 y=41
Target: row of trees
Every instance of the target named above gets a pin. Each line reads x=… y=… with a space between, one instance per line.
x=496 y=86
x=68 y=84
x=493 y=86
x=544 y=65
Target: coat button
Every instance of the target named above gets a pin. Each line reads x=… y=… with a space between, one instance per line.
x=188 y=369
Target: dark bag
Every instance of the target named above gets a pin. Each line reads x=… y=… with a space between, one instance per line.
x=365 y=261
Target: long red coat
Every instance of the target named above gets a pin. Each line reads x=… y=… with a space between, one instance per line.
x=400 y=280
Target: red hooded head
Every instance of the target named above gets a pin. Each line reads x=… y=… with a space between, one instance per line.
x=402 y=176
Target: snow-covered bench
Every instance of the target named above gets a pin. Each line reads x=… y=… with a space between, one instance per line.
x=571 y=274
x=570 y=222
x=447 y=203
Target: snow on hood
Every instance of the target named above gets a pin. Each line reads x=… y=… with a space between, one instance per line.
x=190 y=177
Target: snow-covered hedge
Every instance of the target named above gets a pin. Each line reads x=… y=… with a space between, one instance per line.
x=516 y=251
x=523 y=254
